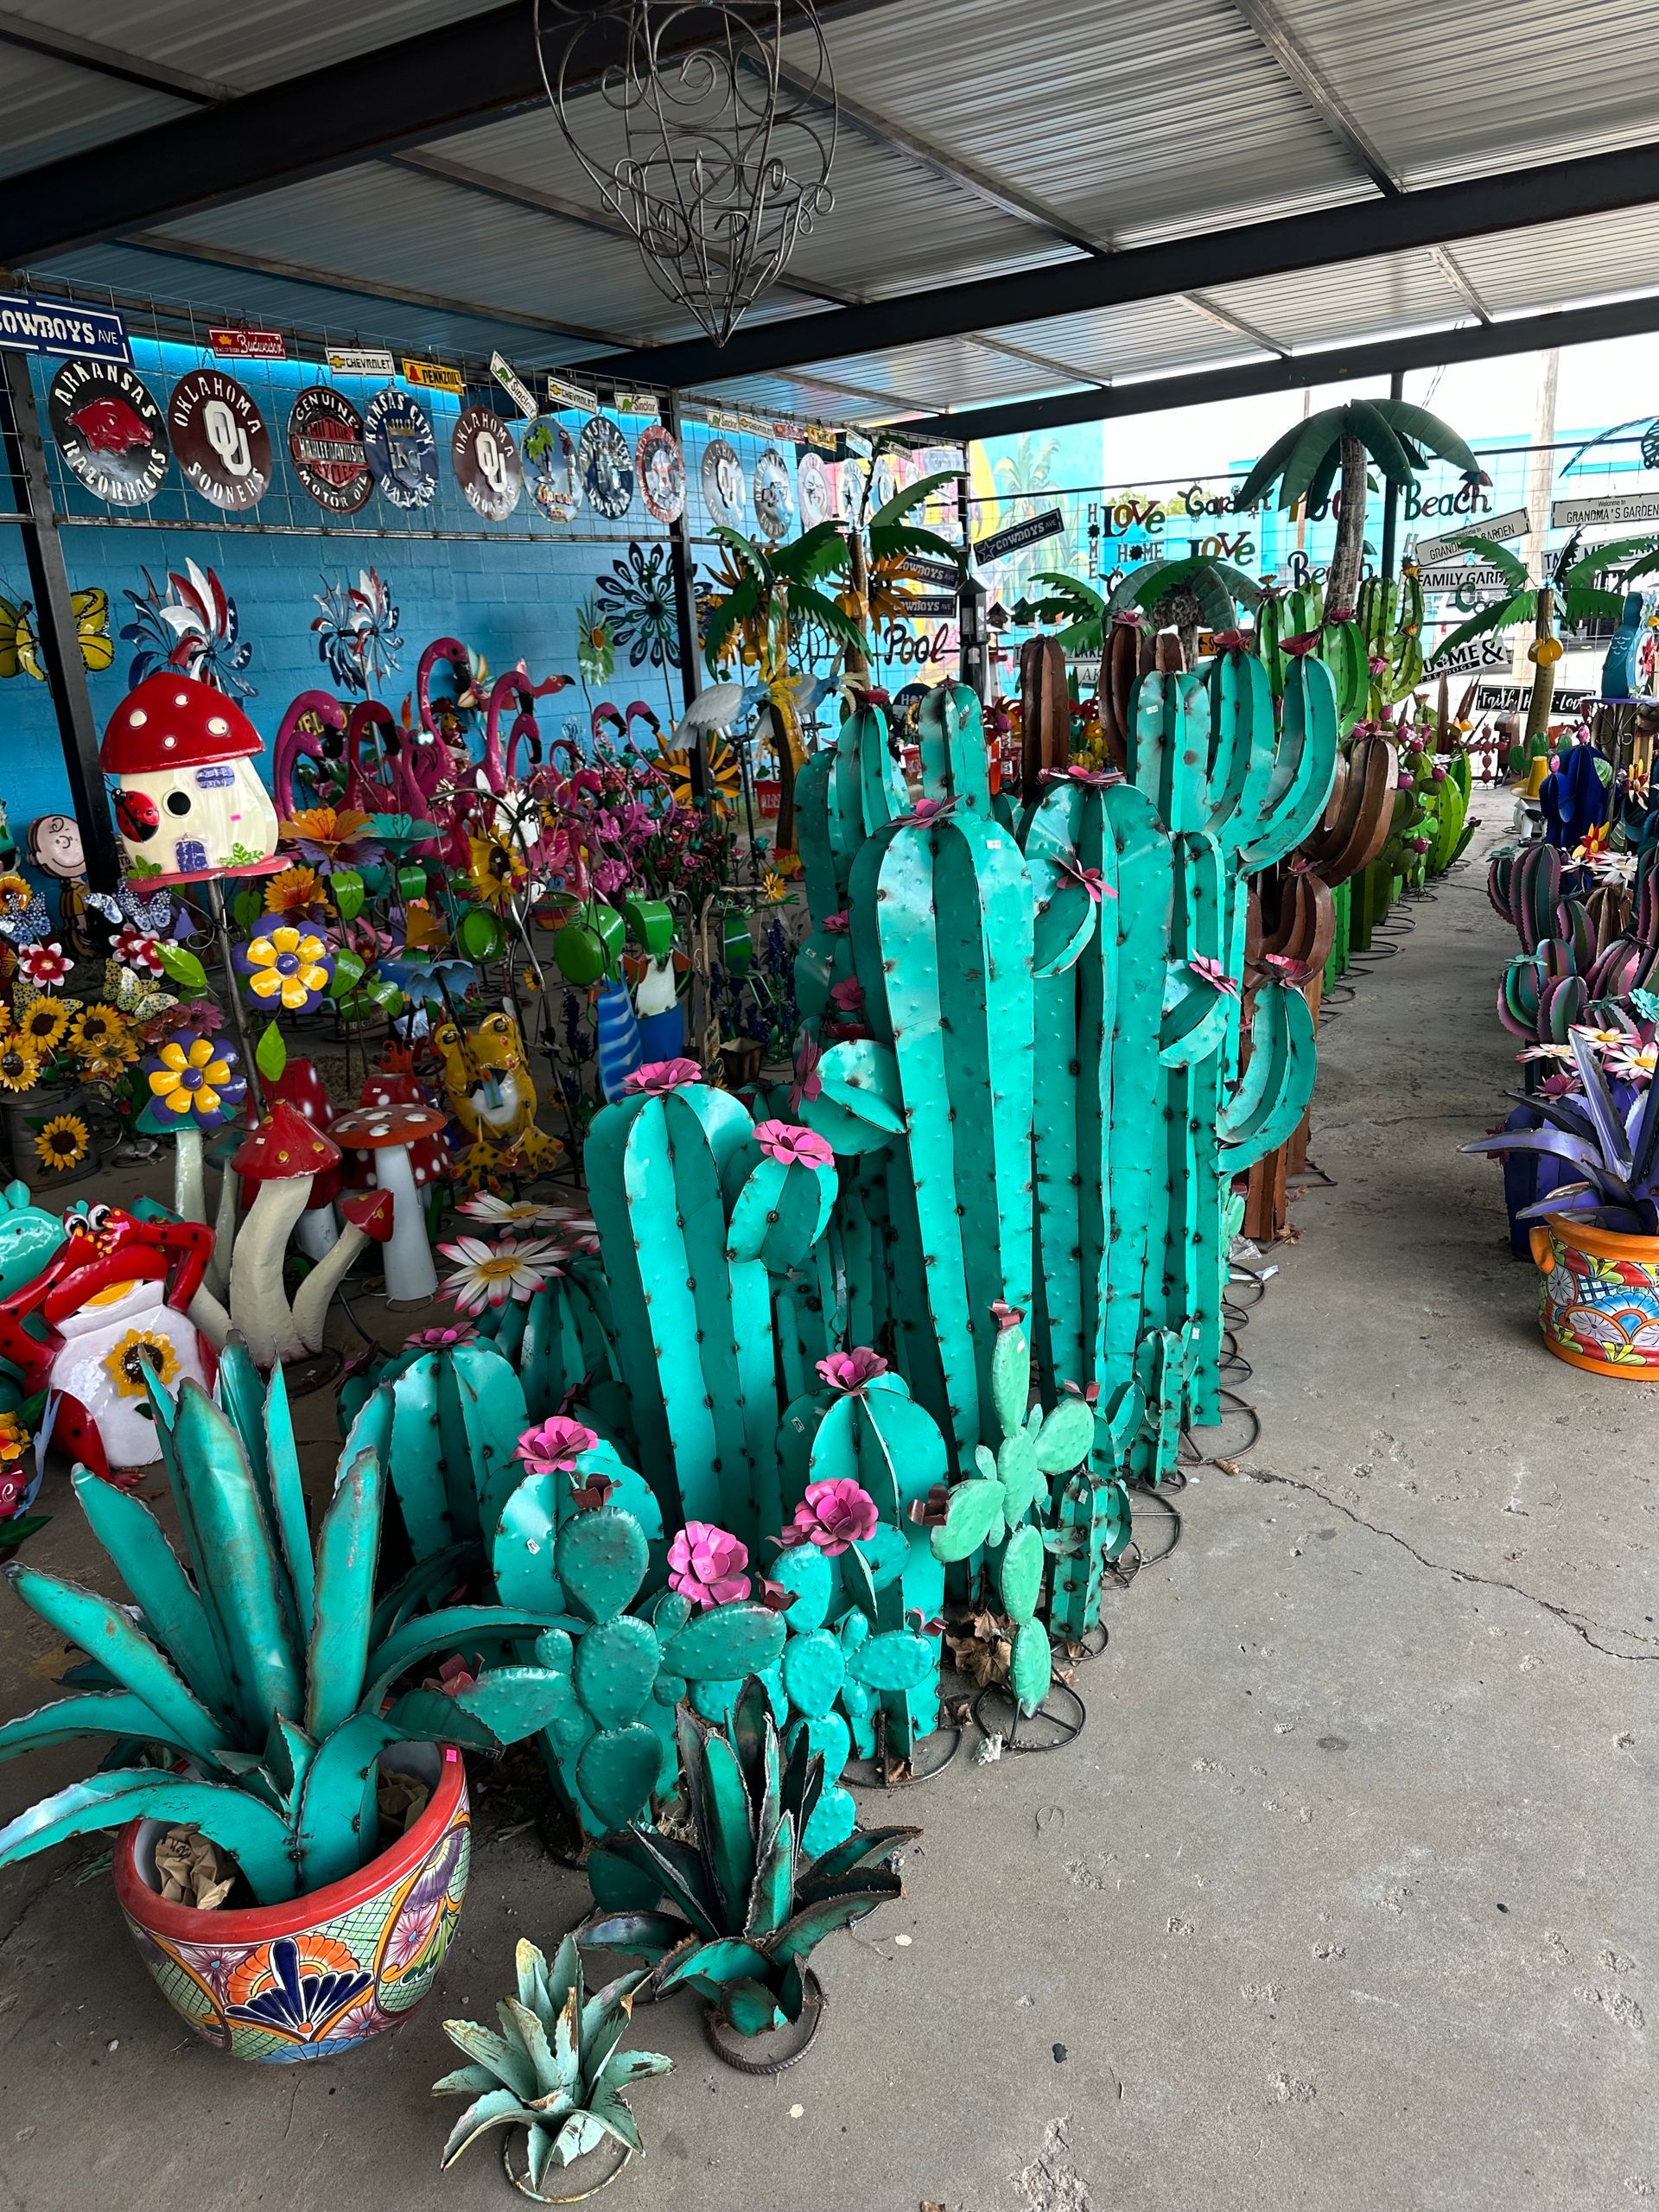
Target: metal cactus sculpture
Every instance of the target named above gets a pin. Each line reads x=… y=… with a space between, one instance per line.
x=265 y=1664
x=736 y=1915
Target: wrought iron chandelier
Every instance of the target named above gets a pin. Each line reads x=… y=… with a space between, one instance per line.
x=723 y=158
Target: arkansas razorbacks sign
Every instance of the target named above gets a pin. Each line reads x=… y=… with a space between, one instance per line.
x=109 y=430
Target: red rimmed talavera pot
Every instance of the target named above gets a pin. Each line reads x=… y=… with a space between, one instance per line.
x=321 y=1974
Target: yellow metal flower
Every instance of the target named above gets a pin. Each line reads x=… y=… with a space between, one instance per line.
x=44 y=1022
x=20 y=1066
x=293 y=891
x=494 y=869
x=63 y=1143
x=14 y=1439
x=98 y=1032
x=773 y=889
x=125 y=1363
x=15 y=892
x=287 y=965
x=724 y=779
x=190 y=1076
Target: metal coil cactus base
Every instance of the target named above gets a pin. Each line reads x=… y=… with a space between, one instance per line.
x=538 y=2197
x=720 y=2043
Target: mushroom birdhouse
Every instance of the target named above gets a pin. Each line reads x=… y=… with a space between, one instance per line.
x=189 y=802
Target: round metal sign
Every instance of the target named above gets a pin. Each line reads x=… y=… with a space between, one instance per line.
x=817 y=500
x=326 y=444
x=402 y=450
x=485 y=462
x=661 y=469
x=220 y=438
x=549 y=461
x=109 y=430
x=774 y=495
x=605 y=466
x=724 y=491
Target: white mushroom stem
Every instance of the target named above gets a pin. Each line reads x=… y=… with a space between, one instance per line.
x=259 y=1301
x=315 y=1294
x=318 y=1235
x=207 y=1314
x=189 y=1189
x=411 y=1276
x=219 y=1267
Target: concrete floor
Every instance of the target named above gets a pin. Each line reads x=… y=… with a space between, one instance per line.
x=1345 y=1899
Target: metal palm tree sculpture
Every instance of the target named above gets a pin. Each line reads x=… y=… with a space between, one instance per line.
x=1398 y=437
x=1567 y=588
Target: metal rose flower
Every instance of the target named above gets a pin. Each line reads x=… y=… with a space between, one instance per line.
x=1008 y=1317
x=851 y=1371
x=792 y=1145
x=834 y=1515
x=1087 y=878
x=848 y=994
x=1215 y=975
x=657 y=1077
x=555 y=1447
x=706 y=1565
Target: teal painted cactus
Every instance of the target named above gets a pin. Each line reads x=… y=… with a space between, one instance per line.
x=736 y=1915
x=1009 y=1506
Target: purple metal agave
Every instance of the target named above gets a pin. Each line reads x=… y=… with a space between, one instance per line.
x=1609 y=1132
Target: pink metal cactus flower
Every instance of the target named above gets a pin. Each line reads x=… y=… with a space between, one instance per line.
x=1006 y=1316
x=851 y=1371
x=835 y=1515
x=836 y=924
x=658 y=1077
x=555 y=1447
x=1215 y=975
x=441 y=1340
x=848 y=995
x=807 y=1083
x=1089 y=878
x=706 y=1565
x=1095 y=779
x=592 y=1493
x=794 y=1146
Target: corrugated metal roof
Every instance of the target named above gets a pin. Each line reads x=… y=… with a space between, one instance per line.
x=1447 y=91
x=1124 y=117
x=49 y=109
x=1562 y=264
x=245 y=45
x=942 y=373
x=216 y=294
x=1116 y=341
x=1396 y=291
x=799 y=397
x=402 y=229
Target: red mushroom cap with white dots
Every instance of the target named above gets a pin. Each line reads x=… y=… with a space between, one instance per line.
x=371 y=1128
x=429 y=1156
x=173 y=721
x=283 y=1148
x=372 y=1212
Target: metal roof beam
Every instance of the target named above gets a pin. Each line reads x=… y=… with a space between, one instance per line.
x=114 y=62
x=1433 y=349
x=453 y=78
x=1316 y=88
x=1474 y=207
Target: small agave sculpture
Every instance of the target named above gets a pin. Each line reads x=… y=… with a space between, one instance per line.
x=745 y=1911
x=554 y=2069
x=1608 y=1134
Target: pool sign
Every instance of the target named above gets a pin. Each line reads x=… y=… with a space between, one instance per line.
x=28 y=325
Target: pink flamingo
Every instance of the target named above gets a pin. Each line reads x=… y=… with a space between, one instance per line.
x=311 y=720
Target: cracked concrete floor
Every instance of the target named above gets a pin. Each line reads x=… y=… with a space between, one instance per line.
x=1345 y=1899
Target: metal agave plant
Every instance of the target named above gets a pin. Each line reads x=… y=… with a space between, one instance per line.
x=1610 y=1136
x=748 y=1910
x=554 y=2068
x=264 y=1667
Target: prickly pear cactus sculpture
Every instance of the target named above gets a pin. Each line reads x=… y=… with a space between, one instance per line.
x=1010 y=1508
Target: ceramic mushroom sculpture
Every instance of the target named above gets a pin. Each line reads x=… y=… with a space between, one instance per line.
x=280 y=1159
x=189 y=802
x=302 y=1087
x=387 y=1133
x=369 y=1214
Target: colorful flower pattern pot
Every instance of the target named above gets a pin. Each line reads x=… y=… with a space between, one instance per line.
x=320 y=1974
x=1599 y=1303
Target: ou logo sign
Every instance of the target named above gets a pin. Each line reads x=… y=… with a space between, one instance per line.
x=220 y=438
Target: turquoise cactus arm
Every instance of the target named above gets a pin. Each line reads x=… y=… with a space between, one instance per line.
x=1277 y=1086
x=1304 y=768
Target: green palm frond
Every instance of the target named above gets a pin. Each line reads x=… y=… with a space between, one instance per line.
x=749 y=556
x=910 y=497
x=1503 y=614
x=723 y=619
x=806 y=605
x=1513 y=571
x=894 y=541
x=1633 y=555
x=820 y=551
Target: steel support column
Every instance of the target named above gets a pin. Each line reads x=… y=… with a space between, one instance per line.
x=685 y=599
x=55 y=627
